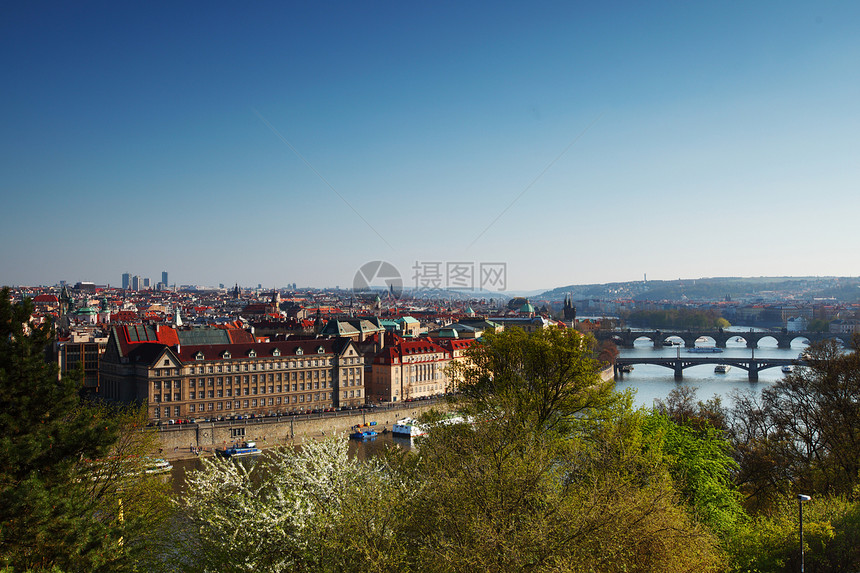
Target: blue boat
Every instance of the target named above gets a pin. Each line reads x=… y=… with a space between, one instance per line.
x=246 y=449
x=363 y=435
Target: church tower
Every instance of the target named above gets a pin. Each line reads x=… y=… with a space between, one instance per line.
x=569 y=311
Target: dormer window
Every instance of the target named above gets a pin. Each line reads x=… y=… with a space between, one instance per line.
x=299 y=352
x=320 y=350
x=276 y=352
x=199 y=356
x=226 y=354
x=252 y=354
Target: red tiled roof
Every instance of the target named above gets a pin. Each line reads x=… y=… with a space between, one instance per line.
x=46 y=298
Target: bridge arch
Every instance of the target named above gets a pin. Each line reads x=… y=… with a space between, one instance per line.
x=706 y=340
x=772 y=341
x=643 y=339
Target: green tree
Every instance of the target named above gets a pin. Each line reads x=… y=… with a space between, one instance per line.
x=536 y=381
x=55 y=512
x=803 y=434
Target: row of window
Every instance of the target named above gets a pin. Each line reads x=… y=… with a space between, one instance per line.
x=211 y=369
x=250 y=403
x=195 y=395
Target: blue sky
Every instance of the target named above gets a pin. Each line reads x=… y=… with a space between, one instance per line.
x=615 y=139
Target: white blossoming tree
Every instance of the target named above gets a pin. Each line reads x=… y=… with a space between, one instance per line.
x=307 y=509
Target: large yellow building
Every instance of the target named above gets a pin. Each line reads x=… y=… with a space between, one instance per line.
x=223 y=379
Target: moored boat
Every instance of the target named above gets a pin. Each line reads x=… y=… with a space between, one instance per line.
x=408 y=427
x=787 y=369
x=363 y=435
x=246 y=449
x=705 y=350
x=158 y=466
x=721 y=368
x=627 y=368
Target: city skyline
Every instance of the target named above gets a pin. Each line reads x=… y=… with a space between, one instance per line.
x=278 y=144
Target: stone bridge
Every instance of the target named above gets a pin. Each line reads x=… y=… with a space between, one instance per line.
x=752 y=365
x=625 y=338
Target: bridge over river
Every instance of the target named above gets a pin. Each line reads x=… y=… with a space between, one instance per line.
x=626 y=338
x=752 y=365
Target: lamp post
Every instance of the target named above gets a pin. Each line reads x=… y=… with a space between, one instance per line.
x=800 y=499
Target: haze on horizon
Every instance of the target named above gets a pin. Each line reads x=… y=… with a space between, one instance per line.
x=277 y=143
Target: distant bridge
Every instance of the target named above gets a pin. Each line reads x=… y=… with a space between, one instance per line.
x=626 y=338
x=752 y=365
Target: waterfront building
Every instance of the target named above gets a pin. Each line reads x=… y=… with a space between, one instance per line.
x=208 y=372
x=408 y=369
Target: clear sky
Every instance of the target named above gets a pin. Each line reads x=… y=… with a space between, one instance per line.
x=279 y=142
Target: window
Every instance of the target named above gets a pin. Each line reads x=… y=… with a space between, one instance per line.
x=210 y=369
x=191 y=408
x=211 y=394
x=245 y=403
x=237 y=432
x=253 y=354
x=156 y=413
x=299 y=351
x=176 y=397
x=176 y=411
x=166 y=362
x=210 y=406
x=220 y=405
x=276 y=352
x=254 y=403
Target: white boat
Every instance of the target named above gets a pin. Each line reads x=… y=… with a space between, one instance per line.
x=408 y=427
x=787 y=369
x=246 y=449
x=627 y=368
x=158 y=466
x=721 y=368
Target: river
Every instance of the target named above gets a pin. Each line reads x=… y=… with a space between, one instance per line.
x=652 y=382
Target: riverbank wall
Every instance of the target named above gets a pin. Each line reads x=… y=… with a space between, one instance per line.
x=203 y=438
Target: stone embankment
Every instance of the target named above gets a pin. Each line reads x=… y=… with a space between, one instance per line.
x=203 y=438
x=190 y=440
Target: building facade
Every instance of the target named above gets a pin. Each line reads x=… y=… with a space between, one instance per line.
x=179 y=381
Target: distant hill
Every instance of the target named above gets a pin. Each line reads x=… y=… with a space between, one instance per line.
x=844 y=289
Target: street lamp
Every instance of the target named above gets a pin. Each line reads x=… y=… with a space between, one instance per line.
x=800 y=499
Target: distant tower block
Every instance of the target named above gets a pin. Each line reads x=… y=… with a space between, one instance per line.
x=164 y=278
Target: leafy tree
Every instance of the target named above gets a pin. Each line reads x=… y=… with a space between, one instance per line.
x=803 y=434
x=540 y=380
x=307 y=509
x=598 y=499
x=770 y=542
x=699 y=460
x=57 y=510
